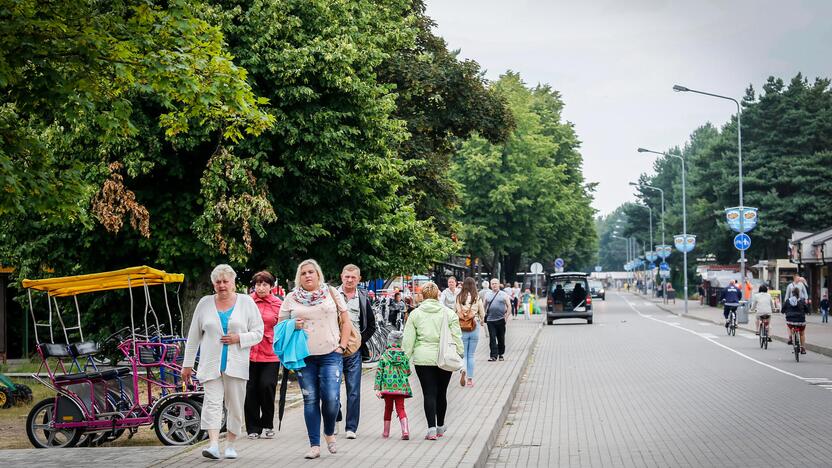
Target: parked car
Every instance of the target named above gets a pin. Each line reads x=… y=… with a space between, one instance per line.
x=568 y=296
x=596 y=289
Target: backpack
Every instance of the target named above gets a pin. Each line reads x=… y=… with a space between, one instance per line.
x=468 y=325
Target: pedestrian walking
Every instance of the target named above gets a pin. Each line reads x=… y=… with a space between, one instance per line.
x=320 y=311
x=263 y=364
x=223 y=329
x=360 y=309
x=471 y=313
x=797 y=283
x=701 y=291
x=527 y=300
x=448 y=296
x=396 y=310
x=496 y=314
x=421 y=345
x=392 y=383
x=824 y=309
x=515 y=299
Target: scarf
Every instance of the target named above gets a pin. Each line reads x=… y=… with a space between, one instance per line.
x=310 y=298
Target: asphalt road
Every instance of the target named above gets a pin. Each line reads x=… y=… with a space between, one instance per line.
x=642 y=387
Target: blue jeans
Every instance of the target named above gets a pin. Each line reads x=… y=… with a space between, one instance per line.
x=470 y=340
x=352 y=379
x=824 y=313
x=320 y=383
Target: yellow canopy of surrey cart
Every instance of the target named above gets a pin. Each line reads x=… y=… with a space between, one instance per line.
x=104 y=281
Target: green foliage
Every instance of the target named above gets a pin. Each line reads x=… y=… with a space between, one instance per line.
x=442 y=99
x=525 y=200
x=70 y=72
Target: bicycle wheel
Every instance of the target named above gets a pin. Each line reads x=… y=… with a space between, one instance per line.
x=765 y=341
x=762 y=333
x=796 y=341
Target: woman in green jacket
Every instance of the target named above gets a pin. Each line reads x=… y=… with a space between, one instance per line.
x=421 y=344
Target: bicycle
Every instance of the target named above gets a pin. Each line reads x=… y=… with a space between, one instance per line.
x=731 y=329
x=763 y=333
x=795 y=331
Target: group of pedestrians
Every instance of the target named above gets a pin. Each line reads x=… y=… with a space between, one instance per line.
x=236 y=336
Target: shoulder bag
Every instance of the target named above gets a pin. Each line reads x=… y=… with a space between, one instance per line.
x=354 y=343
x=448 y=358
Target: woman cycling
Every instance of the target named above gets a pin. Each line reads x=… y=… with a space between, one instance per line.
x=795 y=311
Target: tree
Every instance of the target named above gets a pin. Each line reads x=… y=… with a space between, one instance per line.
x=521 y=199
x=70 y=72
x=441 y=99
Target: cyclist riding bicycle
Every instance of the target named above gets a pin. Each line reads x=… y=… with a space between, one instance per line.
x=731 y=299
x=795 y=310
x=762 y=304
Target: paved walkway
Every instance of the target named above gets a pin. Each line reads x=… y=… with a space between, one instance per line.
x=475 y=415
x=818 y=335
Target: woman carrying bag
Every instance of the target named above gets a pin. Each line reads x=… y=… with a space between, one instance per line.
x=428 y=327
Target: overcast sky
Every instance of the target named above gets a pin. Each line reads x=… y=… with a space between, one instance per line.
x=615 y=63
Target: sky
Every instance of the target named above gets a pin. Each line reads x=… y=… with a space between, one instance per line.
x=615 y=63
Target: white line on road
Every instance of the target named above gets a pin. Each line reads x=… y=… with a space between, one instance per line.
x=649 y=317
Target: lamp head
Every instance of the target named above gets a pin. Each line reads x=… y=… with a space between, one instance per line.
x=635 y=184
x=678 y=88
x=642 y=150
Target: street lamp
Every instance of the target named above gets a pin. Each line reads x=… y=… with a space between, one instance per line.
x=684 y=218
x=664 y=280
x=626 y=246
x=683 y=89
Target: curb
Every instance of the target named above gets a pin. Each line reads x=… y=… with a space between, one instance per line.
x=809 y=346
x=496 y=427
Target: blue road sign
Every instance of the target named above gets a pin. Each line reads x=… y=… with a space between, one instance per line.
x=742 y=241
x=663 y=266
x=558 y=263
x=598 y=268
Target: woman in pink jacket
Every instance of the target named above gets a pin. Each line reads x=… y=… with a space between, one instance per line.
x=263 y=363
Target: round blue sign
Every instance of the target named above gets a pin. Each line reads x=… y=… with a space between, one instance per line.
x=558 y=263
x=742 y=241
x=664 y=266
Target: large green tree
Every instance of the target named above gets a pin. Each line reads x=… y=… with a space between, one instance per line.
x=525 y=200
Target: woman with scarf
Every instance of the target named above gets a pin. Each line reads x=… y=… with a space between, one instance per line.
x=263 y=363
x=316 y=307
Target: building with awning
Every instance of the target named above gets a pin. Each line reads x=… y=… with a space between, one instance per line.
x=812 y=253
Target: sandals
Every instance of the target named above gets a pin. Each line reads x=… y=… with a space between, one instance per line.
x=331 y=446
x=314 y=452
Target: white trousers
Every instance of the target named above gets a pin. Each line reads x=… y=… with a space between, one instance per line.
x=233 y=391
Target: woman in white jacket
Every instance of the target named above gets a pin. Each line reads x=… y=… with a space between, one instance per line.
x=223 y=329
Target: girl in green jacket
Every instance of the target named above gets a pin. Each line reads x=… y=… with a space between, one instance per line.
x=392 y=382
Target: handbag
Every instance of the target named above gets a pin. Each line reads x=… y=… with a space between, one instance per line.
x=448 y=358
x=354 y=343
x=468 y=325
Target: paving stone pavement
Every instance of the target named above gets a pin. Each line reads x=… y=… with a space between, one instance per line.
x=630 y=391
x=474 y=416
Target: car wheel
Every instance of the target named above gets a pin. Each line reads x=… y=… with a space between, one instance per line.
x=549 y=321
x=589 y=321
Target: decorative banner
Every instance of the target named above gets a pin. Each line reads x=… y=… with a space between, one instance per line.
x=747 y=215
x=663 y=250
x=684 y=245
x=651 y=256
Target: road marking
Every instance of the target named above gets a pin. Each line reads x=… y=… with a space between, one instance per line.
x=784 y=372
x=748 y=336
x=707 y=335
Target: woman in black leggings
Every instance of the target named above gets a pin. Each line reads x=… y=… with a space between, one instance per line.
x=421 y=344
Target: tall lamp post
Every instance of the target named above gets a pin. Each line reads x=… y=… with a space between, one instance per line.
x=683 y=89
x=626 y=246
x=664 y=280
x=684 y=218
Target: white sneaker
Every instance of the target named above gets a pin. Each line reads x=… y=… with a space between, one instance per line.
x=230 y=453
x=351 y=435
x=212 y=452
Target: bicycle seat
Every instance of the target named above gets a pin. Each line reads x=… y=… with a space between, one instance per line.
x=115 y=373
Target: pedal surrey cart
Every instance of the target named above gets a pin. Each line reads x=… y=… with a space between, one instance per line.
x=94 y=404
